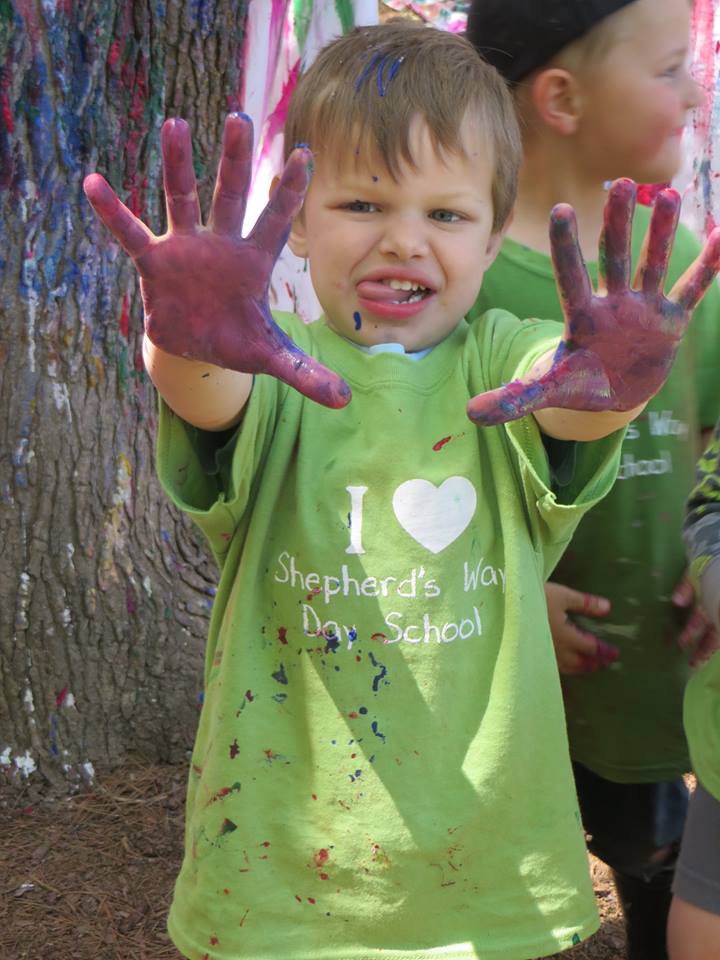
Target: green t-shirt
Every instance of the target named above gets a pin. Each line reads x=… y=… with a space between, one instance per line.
x=625 y=723
x=381 y=766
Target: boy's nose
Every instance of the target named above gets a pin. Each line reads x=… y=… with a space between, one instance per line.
x=404 y=237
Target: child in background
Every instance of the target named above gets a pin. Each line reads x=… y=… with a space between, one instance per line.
x=602 y=90
x=381 y=765
x=694 y=927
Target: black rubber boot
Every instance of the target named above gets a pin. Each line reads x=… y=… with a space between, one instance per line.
x=645 y=905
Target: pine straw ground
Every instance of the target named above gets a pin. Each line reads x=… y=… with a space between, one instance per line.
x=90 y=877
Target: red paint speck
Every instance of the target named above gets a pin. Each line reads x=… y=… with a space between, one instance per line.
x=6 y=112
x=324 y=876
x=441 y=443
x=353 y=715
x=214 y=941
x=113 y=53
x=269 y=754
x=314 y=796
x=299 y=899
x=378 y=636
x=226 y=536
x=311 y=900
x=321 y=857
x=282 y=635
x=125 y=316
x=358 y=657
x=226 y=892
x=234 y=749
x=60 y=698
x=249 y=696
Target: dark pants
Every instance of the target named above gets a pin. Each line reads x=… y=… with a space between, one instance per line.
x=636 y=828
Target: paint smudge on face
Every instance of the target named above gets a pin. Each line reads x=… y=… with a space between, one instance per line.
x=358 y=320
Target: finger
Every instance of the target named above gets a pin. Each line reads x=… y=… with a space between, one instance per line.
x=695 y=627
x=572 y=383
x=181 y=197
x=706 y=647
x=684 y=593
x=605 y=655
x=290 y=364
x=586 y=603
x=571 y=276
x=691 y=287
x=655 y=256
x=616 y=235
x=273 y=225
x=132 y=234
x=233 y=179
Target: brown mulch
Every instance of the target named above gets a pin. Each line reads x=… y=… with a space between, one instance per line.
x=90 y=877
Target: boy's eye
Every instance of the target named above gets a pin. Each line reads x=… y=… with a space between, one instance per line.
x=360 y=206
x=445 y=216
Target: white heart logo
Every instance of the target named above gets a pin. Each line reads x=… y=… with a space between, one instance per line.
x=435 y=516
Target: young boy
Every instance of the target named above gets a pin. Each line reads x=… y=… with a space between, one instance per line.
x=381 y=766
x=694 y=926
x=602 y=91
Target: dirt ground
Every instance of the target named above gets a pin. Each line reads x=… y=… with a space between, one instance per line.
x=90 y=877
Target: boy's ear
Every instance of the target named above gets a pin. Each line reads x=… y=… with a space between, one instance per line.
x=297 y=240
x=557 y=101
x=495 y=242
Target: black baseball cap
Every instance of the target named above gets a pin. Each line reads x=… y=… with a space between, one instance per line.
x=518 y=36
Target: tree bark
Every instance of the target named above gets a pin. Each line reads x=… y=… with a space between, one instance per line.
x=105 y=590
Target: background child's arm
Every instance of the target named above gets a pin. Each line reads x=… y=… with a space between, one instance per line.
x=205 y=288
x=702 y=527
x=619 y=344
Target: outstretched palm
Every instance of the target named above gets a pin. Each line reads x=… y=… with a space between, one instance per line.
x=205 y=288
x=619 y=344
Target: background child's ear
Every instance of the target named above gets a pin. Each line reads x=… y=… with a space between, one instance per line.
x=297 y=241
x=556 y=98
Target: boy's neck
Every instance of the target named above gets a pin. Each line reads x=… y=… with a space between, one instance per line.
x=546 y=178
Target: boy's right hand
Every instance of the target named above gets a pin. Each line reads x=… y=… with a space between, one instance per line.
x=205 y=288
x=577 y=650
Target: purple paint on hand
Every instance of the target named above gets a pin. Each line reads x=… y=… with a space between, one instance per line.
x=619 y=344
x=205 y=288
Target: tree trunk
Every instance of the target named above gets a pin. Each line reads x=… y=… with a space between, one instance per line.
x=105 y=591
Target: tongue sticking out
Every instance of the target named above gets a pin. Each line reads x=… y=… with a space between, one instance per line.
x=384 y=293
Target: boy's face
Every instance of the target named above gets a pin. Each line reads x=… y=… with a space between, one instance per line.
x=636 y=101
x=399 y=261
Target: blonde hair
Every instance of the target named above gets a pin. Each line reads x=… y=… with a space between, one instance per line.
x=364 y=90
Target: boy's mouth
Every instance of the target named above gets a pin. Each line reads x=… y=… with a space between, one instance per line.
x=393 y=290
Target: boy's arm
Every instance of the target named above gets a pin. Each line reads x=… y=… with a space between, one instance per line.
x=208 y=324
x=618 y=345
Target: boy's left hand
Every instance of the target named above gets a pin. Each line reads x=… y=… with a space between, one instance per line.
x=619 y=344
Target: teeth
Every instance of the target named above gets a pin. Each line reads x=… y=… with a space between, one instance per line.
x=404 y=285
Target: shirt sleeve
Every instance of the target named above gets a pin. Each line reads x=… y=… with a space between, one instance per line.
x=212 y=476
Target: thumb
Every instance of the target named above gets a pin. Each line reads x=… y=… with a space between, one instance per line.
x=588 y=604
x=684 y=593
